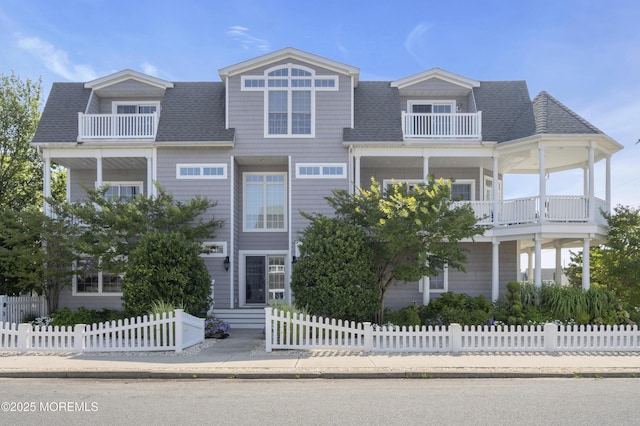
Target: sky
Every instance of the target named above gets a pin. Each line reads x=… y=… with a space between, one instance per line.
x=585 y=53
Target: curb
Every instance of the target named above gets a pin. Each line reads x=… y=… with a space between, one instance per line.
x=327 y=375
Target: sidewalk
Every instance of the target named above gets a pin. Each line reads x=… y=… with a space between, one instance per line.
x=242 y=356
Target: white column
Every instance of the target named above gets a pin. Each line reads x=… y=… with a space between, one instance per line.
x=289 y=268
x=426 y=290
x=150 y=184
x=537 y=273
x=592 y=207
x=558 y=277
x=586 y=261
x=47 y=183
x=495 y=270
x=608 y=188
x=530 y=265
x=543 y=186
x=357 y=174
x=496 y=192
x=425 y=167
x=99 y=170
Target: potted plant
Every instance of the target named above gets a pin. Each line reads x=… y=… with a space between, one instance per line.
x=216 y=328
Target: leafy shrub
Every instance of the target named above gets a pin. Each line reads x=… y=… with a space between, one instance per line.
x=82 y=315
x=166 y=267
x=333 y=276
x=406 y=316
x=457 y=308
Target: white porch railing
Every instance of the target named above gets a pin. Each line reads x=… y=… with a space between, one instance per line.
x=169 y=331
x=442 y=126
x=117 y=126
x=296 y=331
x=528 y=210
x=17 y=308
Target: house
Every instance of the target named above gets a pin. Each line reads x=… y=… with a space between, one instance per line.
x=280 y=131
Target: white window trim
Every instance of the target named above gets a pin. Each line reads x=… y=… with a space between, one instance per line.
x=425 y=283
x=99 y=293
x=201 y=166
x=222 y=244
x=321 y=166
x=411 y=103
x=471 y=182
x=244 y=201
x=113 y=183
x=115 y=104
x=289 y=89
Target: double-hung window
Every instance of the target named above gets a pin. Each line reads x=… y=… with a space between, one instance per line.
x=265 y=206
x=122 y=189
x=290 y=93
x=90 y=280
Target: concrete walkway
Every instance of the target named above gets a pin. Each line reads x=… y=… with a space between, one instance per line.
x=242 y=355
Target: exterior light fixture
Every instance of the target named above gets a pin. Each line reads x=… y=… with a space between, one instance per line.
x=226 y=263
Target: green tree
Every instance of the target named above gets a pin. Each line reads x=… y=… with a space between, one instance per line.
x=20 y=166
x=616 y=264
x=36 y=254
x=413 y=232
x=112 y=227
x=334 y=276
x=166 y=267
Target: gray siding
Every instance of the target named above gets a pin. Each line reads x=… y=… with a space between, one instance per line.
x=217 y=190
x=475 y=281
x=67 y=300
x=106 y=104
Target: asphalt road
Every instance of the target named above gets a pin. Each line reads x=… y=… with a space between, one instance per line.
x=577 y=401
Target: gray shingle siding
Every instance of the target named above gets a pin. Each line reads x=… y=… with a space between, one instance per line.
x=59 y=121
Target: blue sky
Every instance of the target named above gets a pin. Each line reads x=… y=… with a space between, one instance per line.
x=584 y=53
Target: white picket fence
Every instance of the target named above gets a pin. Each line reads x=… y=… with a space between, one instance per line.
x=285 y=330
x=17 y=308
x=169 y=331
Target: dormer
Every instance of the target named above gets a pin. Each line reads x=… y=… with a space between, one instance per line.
x=438 y=104
x=288 y=92
x=123 y=105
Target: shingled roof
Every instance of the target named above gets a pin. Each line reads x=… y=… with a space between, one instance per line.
x=194 y=112
x=504 y=105
x=59 y=121
x=553 y=117
x=376 y=113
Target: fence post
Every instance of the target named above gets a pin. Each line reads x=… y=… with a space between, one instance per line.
x=3 y=308
x=368 y=336
x=23 y=337
x=267 y=328
x=177 y=326
x=550 y=337
x=455 y=336
x=78 y=337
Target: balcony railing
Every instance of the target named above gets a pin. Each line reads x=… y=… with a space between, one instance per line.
x=117 y=126
x=442 y=126
x=566 y=209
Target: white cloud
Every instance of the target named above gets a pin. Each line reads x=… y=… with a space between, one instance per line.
x=149 y=69
x=415 y=42
x=241 y=34
x=56 y=60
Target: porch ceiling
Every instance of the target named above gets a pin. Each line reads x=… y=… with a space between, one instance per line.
x=417 y=162
x=556 y=158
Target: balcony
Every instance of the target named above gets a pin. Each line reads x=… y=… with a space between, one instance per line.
x=558 y=209
x=117 y=126
x=442 y=126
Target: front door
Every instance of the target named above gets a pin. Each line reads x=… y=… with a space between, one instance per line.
x=264 y=278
